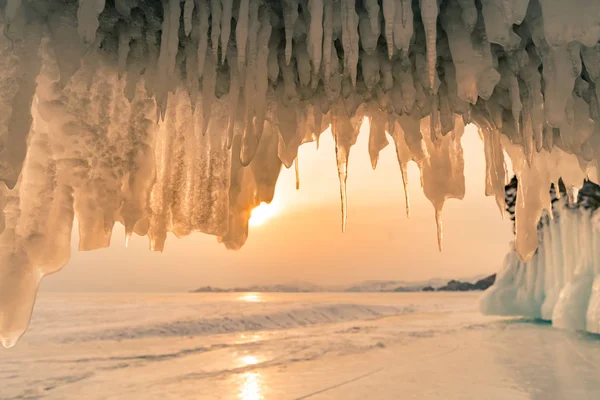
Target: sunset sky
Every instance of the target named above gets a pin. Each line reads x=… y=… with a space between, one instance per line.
x=301 y=239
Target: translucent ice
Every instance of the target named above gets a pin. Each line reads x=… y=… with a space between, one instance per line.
x=176 y=115
x=560 y=281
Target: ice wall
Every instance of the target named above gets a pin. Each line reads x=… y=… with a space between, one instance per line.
x=561 y=282
x=176 y=116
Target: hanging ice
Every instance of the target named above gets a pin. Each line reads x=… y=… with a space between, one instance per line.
x=87 y=16
x=561 y=282
x=176 y=115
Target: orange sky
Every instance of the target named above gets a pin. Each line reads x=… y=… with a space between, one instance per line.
x=303 y=241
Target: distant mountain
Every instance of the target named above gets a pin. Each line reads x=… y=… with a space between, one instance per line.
x=394 y=286
x=292 y=287
x=210 y=289
x=458 y=286
x=370 y=286
x=376 y=286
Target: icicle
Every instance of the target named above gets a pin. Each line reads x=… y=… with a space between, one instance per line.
x=226 y=27
x=273 y=61
x=350 y=38
x=315 y=38
x=87 y=18
x=403 y=154
x=289 y=80
x=389 y=14
x=168 y=50
x=188 y=10
x=531 y=75
x=403 y=25
x=435 y=128
x=21 y=64
x=494 y=165
x=499 y=20
x=127 y=239
x=406 y=193
x=303 y=64
x=262 y=73
x=234 y=95
x=327 y=41
x=368 y=39
x=203 y=14
x=343 y=176
x=372 y=7
x=429 y=14
x=377 y=139
x=241 y=33
x=469 y=14
x=344 y=139
x=563 y=65
x=191 y=68
x=215 y=32
x=297 y=169
x=250 y=138
x=442 y=170
x=208 y=91
x=440 y=229
x=123 y=51
x=290 y=14
x=516 y=105
x=407 y=15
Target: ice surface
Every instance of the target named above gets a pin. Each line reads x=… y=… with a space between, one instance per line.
x=292 y=346
x=176 y=115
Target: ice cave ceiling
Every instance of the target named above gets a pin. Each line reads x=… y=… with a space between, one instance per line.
x=176 y=116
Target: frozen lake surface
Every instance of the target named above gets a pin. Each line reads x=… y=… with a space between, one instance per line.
x=254 y=346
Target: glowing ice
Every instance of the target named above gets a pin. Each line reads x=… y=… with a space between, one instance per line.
x=176 y=115
x=561 y=282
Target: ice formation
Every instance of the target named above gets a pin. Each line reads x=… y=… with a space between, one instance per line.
x=176 y=116
x=561 y=282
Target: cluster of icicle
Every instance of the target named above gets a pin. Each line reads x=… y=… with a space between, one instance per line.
x=176 y=115
x=561 y=282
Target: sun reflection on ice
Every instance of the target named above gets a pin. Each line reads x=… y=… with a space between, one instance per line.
x=251 y=297
x=251 y=386
x=249 y=360
x=245 y=338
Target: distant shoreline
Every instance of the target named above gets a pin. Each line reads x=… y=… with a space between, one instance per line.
x=433 y=285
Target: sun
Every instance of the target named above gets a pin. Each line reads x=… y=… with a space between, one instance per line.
x=262 y=213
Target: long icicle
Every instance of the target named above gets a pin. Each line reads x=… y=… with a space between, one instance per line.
x=297 y=169
x=440 y=229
